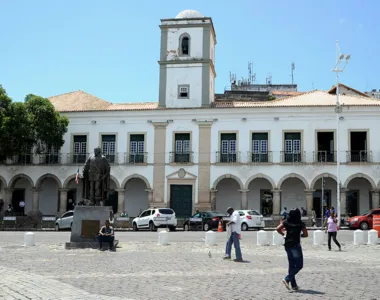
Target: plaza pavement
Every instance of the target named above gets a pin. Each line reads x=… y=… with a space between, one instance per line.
x=141 y=269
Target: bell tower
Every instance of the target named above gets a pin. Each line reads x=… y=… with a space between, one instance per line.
x=187 y=56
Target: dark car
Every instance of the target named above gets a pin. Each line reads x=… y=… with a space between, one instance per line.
x=206 y=220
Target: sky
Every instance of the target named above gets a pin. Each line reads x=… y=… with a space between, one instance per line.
x=110 y=49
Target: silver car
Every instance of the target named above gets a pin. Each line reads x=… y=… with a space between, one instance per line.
x=65 y=221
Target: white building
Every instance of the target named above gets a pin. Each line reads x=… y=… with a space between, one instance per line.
x=193 y=150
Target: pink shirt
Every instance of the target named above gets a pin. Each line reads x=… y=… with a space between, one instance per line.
x=332 y=226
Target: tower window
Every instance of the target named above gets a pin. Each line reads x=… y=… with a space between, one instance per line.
x=183 y=91
x=185 y=45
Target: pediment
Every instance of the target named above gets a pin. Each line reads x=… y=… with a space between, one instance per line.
x=181 y=174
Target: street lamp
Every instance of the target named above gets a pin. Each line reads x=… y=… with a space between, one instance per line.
x=338 y=111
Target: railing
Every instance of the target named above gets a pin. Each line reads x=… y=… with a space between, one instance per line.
x=264 y=157
x=112 y=158
x=24 y=159
x=325 y=156
x=293 y=157
x=361 y=156
x=136 y=158
x=76 y=159
x=228 y=157
x=50 y=159
x=181 y=158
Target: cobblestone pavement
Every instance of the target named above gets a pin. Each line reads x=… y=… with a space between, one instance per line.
x=181 y=270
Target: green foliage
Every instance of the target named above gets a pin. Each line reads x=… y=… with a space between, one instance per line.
x=270 y=98
x=34 y=123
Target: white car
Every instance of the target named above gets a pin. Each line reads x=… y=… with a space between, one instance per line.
x=251 y=219
x=65 y=221
x=154 y=218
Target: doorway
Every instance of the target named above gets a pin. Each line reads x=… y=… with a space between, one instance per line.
x=266 y=202
x=112 y=200
x=17 y=196
x=181 y=200
x=352 y=203
x=358 y=146
x=325 y=147
x=317 y=205
x=71 y=199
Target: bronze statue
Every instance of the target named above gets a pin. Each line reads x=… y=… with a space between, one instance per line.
x=96 y=178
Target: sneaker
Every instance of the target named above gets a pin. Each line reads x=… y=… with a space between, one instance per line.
x=296 y=288
x=238 y=260
x=340 y=249
x=287 y=284
x=227 y=257
x=329 y=249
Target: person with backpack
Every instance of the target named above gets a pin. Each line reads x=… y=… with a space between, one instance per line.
x=293 y=227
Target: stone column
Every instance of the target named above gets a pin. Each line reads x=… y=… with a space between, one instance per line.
x=309 y=201
x=62 y=201
x=159 y=164
x=120 y=200
x=213 y=199
x=150 y=197
x=276 y=202
x=7 y=198
x=244 y=199
x=375 y=199
x=204 y=177
x=343 y=208
x=36 y=199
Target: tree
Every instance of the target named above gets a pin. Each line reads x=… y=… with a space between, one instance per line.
x=48 y=126
x=34 y=123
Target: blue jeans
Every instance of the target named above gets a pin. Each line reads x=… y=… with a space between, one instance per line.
x=234 y=239
x=105 y=239
x=295 y=259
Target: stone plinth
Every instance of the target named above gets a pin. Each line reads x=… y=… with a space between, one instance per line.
x=86 y=225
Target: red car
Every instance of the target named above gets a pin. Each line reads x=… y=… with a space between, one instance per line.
x=363 y=221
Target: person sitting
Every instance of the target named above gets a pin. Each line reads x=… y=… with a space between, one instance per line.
x=106 y=234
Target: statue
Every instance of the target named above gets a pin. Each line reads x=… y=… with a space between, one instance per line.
x=96 y=178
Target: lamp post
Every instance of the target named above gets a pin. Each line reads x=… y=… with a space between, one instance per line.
x=338 y=111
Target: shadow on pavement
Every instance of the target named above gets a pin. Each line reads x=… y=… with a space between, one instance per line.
x=310 y=292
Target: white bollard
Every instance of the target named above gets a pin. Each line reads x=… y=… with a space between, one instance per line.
x=262 y=238
x=373 y=238
x=358 y=237
x=210 y=238
x=318 y=238
x=278 y=239
x=163 y=237
x=29 y=239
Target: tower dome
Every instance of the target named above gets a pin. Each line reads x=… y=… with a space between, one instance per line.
x=189 y=14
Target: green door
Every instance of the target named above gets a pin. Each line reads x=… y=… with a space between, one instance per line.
x=181 y=200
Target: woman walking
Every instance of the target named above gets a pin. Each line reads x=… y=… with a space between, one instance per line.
x=293 y=226
x=332 y=229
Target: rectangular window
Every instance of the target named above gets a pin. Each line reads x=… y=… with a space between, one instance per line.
x=228 y=147
x=80 y=149
x=51 y=155
x=109 y=147
x=137 y=149
x=183 y=91
x=292 y=146
x=182 y=148
x=260 y=147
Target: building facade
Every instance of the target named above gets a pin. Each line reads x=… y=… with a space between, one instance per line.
x=193 y=150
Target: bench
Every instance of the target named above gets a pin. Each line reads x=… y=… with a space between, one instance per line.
x=9 y=222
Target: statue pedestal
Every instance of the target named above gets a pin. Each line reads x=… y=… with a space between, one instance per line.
x=86 y=225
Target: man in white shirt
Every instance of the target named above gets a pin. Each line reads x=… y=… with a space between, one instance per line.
x=235 y=228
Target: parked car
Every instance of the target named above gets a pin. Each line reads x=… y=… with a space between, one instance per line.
x=65 y=221
x=363 y=221
x=154 y=218
x=206 y=220
x=251 y=219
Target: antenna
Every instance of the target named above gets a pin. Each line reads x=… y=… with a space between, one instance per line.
x=293 y=67
x=313 y=85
